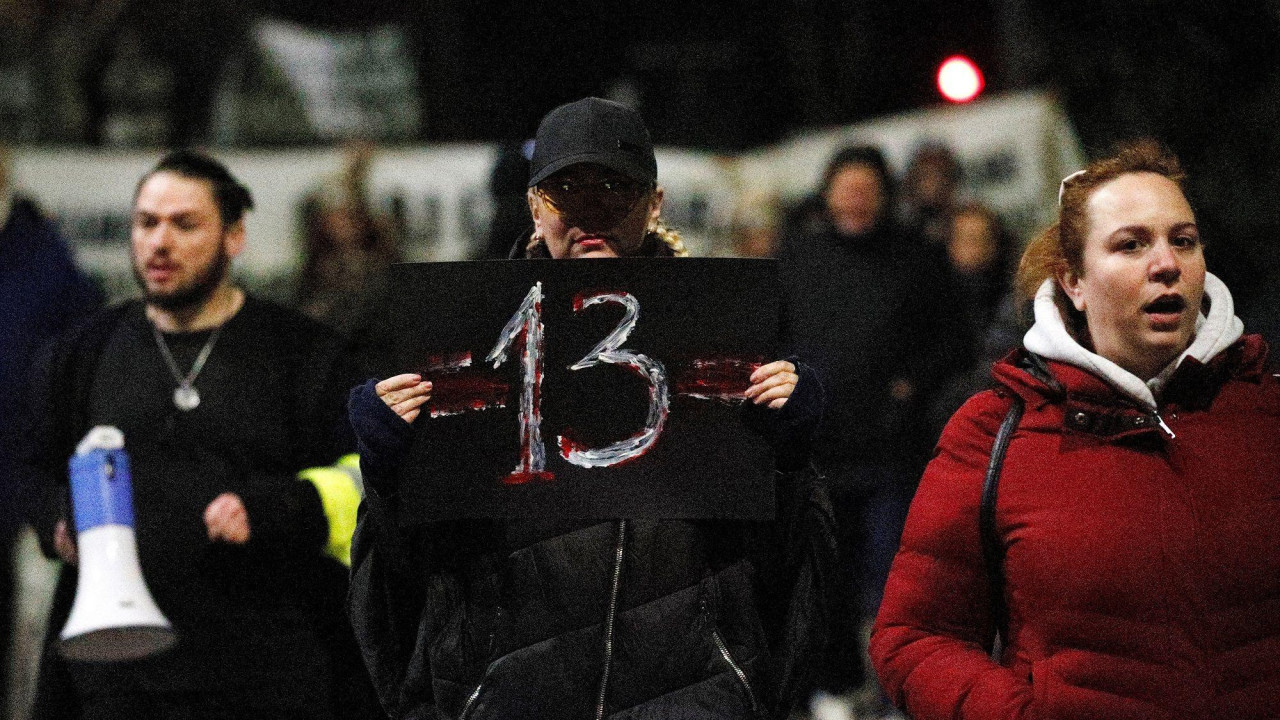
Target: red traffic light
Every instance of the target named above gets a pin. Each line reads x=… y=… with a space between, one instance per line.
x=959 y=79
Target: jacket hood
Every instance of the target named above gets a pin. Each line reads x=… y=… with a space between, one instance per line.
x=1050 y=339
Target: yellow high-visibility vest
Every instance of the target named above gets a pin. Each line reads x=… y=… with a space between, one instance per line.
x=341 y=489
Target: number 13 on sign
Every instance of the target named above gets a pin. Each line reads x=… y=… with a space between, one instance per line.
x=527 y=322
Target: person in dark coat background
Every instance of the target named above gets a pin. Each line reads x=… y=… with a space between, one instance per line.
x=869 y=306
x=42 y=293
x=618 y=618
x=507 y=188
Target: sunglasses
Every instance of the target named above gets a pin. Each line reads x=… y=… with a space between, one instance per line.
x=609 y=200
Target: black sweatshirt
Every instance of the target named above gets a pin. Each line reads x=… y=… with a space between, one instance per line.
x=272 y=396
x=865 y=312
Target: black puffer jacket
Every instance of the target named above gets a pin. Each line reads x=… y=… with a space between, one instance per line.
x=624 y=619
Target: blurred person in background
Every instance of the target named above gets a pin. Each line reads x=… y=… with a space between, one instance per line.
x=508 y=186
x=347 y=246
x=194 y=39
x=691 y=632
x=755 y=226
x=223 y=399
x=929 y=189
x=978 y=260
x=42 y=293
x=870 y=306
x=804 y=216
x=1129 y=557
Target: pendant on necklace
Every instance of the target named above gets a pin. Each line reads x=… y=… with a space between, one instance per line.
x=185 y=398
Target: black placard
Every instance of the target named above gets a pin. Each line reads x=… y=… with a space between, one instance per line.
x=702 y=325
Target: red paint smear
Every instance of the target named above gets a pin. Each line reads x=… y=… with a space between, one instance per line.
x=446 y=362
x=466 y=390
x=520 y=478
x=721 y=378
x=635 y=370
x=580 y=299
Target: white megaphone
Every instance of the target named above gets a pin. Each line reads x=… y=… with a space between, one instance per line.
x=113 y=617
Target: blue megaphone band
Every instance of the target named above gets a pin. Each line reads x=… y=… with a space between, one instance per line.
x=101 y=491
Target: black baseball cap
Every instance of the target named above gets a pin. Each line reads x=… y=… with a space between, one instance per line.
x=593 y=130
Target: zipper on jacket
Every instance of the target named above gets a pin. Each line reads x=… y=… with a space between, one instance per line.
x=737 y=670
x=471 y=699
x=1163 y=426
x=612 y=616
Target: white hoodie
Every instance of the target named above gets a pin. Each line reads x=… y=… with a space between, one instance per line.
x=1049 y=338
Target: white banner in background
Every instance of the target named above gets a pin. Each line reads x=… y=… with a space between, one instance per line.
x=1014 y=151
x=352 y=83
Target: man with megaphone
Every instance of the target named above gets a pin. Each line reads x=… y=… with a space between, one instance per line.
x=221 y=399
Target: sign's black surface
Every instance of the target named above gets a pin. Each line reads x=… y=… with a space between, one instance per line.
x=617 y=390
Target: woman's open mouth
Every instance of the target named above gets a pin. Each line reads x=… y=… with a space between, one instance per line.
x=1166 y=310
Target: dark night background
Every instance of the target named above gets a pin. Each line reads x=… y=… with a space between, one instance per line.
x=727 y=76
x=92 y=90
x=1202 y=77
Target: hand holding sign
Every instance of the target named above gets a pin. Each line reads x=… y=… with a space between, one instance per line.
x=405 y=394
x=773 y=384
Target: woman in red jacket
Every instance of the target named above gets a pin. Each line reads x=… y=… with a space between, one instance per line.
x=1135 y=568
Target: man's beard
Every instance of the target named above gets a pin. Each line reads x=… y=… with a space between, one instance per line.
x=193 y=295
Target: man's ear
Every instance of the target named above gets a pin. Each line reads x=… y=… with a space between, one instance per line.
x=1070 y=282
x=234 y=237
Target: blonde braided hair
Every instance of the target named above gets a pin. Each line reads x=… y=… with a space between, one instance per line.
x=670 y=238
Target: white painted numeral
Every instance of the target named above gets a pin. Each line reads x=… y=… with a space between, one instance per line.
x=608 y=352
x=527 y=321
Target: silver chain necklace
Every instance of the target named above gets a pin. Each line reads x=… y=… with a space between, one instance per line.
x=185 y=397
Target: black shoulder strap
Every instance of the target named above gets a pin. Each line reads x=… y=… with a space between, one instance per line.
x=992 y=551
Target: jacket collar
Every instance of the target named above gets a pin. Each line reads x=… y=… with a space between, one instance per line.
x=1093 y=405
x=1051 y=339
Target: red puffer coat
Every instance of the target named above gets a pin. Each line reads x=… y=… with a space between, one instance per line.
x=1142 y=570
